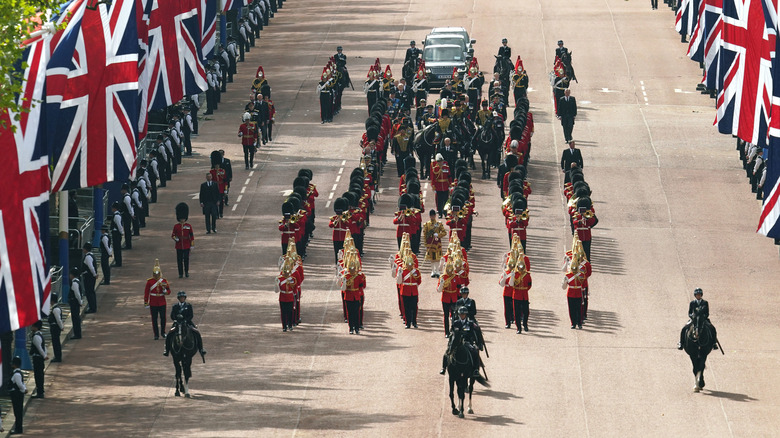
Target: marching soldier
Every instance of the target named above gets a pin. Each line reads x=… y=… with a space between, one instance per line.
x=420 y=86
x=286 y=286
x=340 y=224
x=519 y=81
x=433 y=231
x=440 y=180
x=449 y=283
x=185 y=239
x=405 y=218
x=248 y=133
x=473 y=85
x=401 y=149
x=584 y=219
x=352 y=282
x=516 y=281
x=409 y=278
x=372 y=88
x=324 y=90
x=573 y=282
x=260 y=84
x=155 y=291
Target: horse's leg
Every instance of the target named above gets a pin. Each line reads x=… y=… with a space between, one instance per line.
x=461 y=395
x=452 y=397
x=178 y=376
x=471 y=389
x=701 y=371
x=187 y=374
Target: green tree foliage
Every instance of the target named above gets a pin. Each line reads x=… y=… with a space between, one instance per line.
x=18 y=18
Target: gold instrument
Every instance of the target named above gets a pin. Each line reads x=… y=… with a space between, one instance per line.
x=506 y=202
x=462 y=213
x=409 y=212
x=587 y=214
x=294 y=218
x=523 y=215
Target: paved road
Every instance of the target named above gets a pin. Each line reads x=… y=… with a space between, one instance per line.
x=675 y=213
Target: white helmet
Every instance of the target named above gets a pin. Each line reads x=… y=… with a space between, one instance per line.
x=246 y=117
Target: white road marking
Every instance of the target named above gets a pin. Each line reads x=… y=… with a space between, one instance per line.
x=239 y=198
x=243 y=189
x=677 y=90
x=251 y=173
x=341 y=171
x=330 y=196
x=247 y=181
x=344 y=162
x=338 y=178
x=327 y=204
x=585 y=101
x=645 y=98
x=234 y=207
x=531 y=89
x=607 y=90
x=283 y=192
x=194 y=195
x=334 y=187
x=644 y=93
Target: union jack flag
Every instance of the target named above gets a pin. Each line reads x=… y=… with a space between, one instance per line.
x=174 y=62
x=687 y=15
x=696 y=46
x=208 y=26
x=769 y=221
x=25 y=283
x=713 y=35
x=92 y=97
x=747 y=49
x=143 y=8
x=234 y=4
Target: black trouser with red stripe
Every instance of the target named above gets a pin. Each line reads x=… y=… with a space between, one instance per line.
x=410 y=309
x=287 y=313
x=157 y=312
x=575 y=310
x=509 y=314
x=521 y=312
x=353 y=314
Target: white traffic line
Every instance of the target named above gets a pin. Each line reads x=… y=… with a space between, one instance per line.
x=334 y=187
x=239 y=198
x=234 y=207
x=247 y=181
x=243 y=189
x=338 y=178
x=251 y=173
x=327 y=204
x=330 y=196
x=341 y=171
x=344 y=162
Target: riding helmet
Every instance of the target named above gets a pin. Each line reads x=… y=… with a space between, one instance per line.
x=698 y=291
x=181 y=294
x=463 y=311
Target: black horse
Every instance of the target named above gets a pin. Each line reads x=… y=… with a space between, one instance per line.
x=504 y=69
x=410 y=69
x=700 y=339
x=487 y=142
x=566 y=60
x=183 y=348
x=464 y=133
x=425 y=148
x=460 y=368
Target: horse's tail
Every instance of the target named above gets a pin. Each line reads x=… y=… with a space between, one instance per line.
x=482 y=381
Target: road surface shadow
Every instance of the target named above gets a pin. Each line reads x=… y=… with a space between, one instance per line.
x=731 y=396
x=602 y=321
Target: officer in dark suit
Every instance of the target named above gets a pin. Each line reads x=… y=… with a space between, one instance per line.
x=569 y=156
x=468 y=303
x=698 y=307
x=567 y=111
x=412 y=52
x=504 y=51
x=448 y=152
x=340 y=58
x=560 y=50
x=209 y=198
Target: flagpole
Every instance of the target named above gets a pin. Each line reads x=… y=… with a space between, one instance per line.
x=63 y=246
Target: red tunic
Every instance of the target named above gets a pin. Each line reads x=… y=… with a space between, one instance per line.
x=458 y=225
x=154 y=292
x=575 y=283
x=582 y=226
x=521 y=286
x=449 y=293
x=406 y=224
x=410 y=279
x=219 y=178
x=353 y=291
x=287 y=288
x=248 y=133
x=183 y=235
x=288 y=230
x=440 y=176
x=340 y=228
x=516 y=226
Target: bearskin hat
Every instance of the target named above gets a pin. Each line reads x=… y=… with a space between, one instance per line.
x=288 y=207
x=519 y=204
x=182 y=211
x=405 y=201
x=584 y=203
x=340 y=205
x=307 y=173
x=409 y=162
x=216 y=158
x=301 y=181
x=413 y=187
x=510 y=161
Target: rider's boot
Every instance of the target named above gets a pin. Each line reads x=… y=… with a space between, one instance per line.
x=443 y=364
x=165 y=352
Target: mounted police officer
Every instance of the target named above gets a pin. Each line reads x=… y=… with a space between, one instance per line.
x=472 y=339
x=701 y=308
x=469 y=304
x=182 y=313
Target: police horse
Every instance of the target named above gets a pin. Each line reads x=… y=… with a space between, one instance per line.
x=425 y=147
x=487 y=143
x=700 y=339
x=183 y=348
x=460 y=369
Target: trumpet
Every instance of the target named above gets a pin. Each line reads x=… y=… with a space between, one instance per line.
x=587 y=214
x=462 y=213
x=295 y=218
x=524 y=215
x=410 y=212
